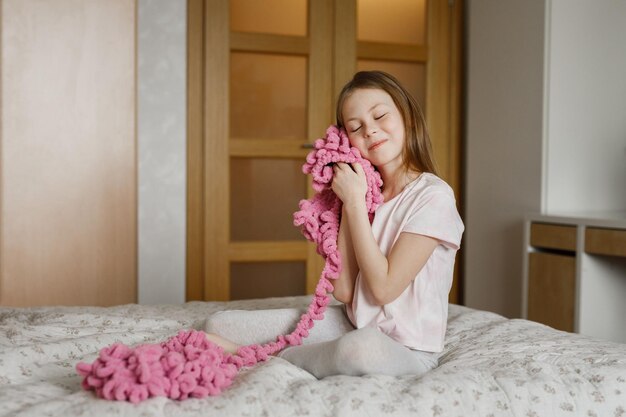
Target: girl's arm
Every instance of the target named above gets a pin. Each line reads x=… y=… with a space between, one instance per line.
x=386 y=277
x=344 y=285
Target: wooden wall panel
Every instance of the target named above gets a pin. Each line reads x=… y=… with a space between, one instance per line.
x=68 y=153
x=194 y=280
x=216 y=157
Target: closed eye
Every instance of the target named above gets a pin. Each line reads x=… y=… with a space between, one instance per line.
x=354 y=130
x=380 y=117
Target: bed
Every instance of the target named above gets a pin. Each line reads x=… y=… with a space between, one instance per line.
x=491 y=366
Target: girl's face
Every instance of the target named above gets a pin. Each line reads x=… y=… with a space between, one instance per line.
x=374 y=126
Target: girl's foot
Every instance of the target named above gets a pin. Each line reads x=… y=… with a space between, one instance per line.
x=227 y=345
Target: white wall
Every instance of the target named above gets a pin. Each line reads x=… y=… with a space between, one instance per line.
x=586 y=153
x=504 y=110
x=545 y=128
x=162 y=150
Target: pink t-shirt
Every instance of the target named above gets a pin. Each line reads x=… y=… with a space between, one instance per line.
x=418 y=317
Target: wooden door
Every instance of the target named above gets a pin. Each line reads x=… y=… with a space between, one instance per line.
x=68 y=153
x=263 y=80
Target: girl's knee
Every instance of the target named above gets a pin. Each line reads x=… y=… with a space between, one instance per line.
x=369 y=338
x=369 y=351
x=355 y=341
x=356 y=352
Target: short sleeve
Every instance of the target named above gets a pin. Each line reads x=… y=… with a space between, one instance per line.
x=436 y=216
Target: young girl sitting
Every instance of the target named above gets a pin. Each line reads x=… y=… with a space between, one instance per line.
x=397 y=272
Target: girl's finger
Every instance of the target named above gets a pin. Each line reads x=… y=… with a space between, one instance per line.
x=358 y=168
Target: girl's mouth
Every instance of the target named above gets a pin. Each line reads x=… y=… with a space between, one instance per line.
x=376 y=144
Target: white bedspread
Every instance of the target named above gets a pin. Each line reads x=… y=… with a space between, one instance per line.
x=491 y=366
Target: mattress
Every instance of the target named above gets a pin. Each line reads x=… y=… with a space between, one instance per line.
x=491 y=366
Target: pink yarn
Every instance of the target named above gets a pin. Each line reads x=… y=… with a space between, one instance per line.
x=188 y=365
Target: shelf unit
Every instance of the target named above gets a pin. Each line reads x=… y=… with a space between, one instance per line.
x=574 y=272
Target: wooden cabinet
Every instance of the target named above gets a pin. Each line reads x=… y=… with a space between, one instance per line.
x=552 y=275
x=575 y=273
x=551 y=289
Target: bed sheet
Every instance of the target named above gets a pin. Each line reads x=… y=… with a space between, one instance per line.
x=491 y=366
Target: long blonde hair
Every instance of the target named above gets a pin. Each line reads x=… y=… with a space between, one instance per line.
x=417 y=154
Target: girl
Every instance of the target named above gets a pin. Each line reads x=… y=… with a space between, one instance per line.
x=397 y=272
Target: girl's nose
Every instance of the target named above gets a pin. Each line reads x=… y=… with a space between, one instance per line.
x=370 y=130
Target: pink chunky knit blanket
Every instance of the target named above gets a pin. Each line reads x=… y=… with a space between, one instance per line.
x=188 y=365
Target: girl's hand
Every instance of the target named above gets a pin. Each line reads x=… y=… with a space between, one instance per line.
x=349 y=182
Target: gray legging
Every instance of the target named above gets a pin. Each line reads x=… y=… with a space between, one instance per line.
x=360 y=352
x=334 y=347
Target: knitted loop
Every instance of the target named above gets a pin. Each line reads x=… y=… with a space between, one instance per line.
x=188 y=364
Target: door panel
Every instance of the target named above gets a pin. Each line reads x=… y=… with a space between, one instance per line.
x=267 y=279
x=268 y=96
x=264 y=194
x=280 y=17
x=392 y=21
x=411 y=75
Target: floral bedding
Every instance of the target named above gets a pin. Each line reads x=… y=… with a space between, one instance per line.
x=491 y=367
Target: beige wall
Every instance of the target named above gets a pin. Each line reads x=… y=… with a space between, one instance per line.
x=504 y=105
